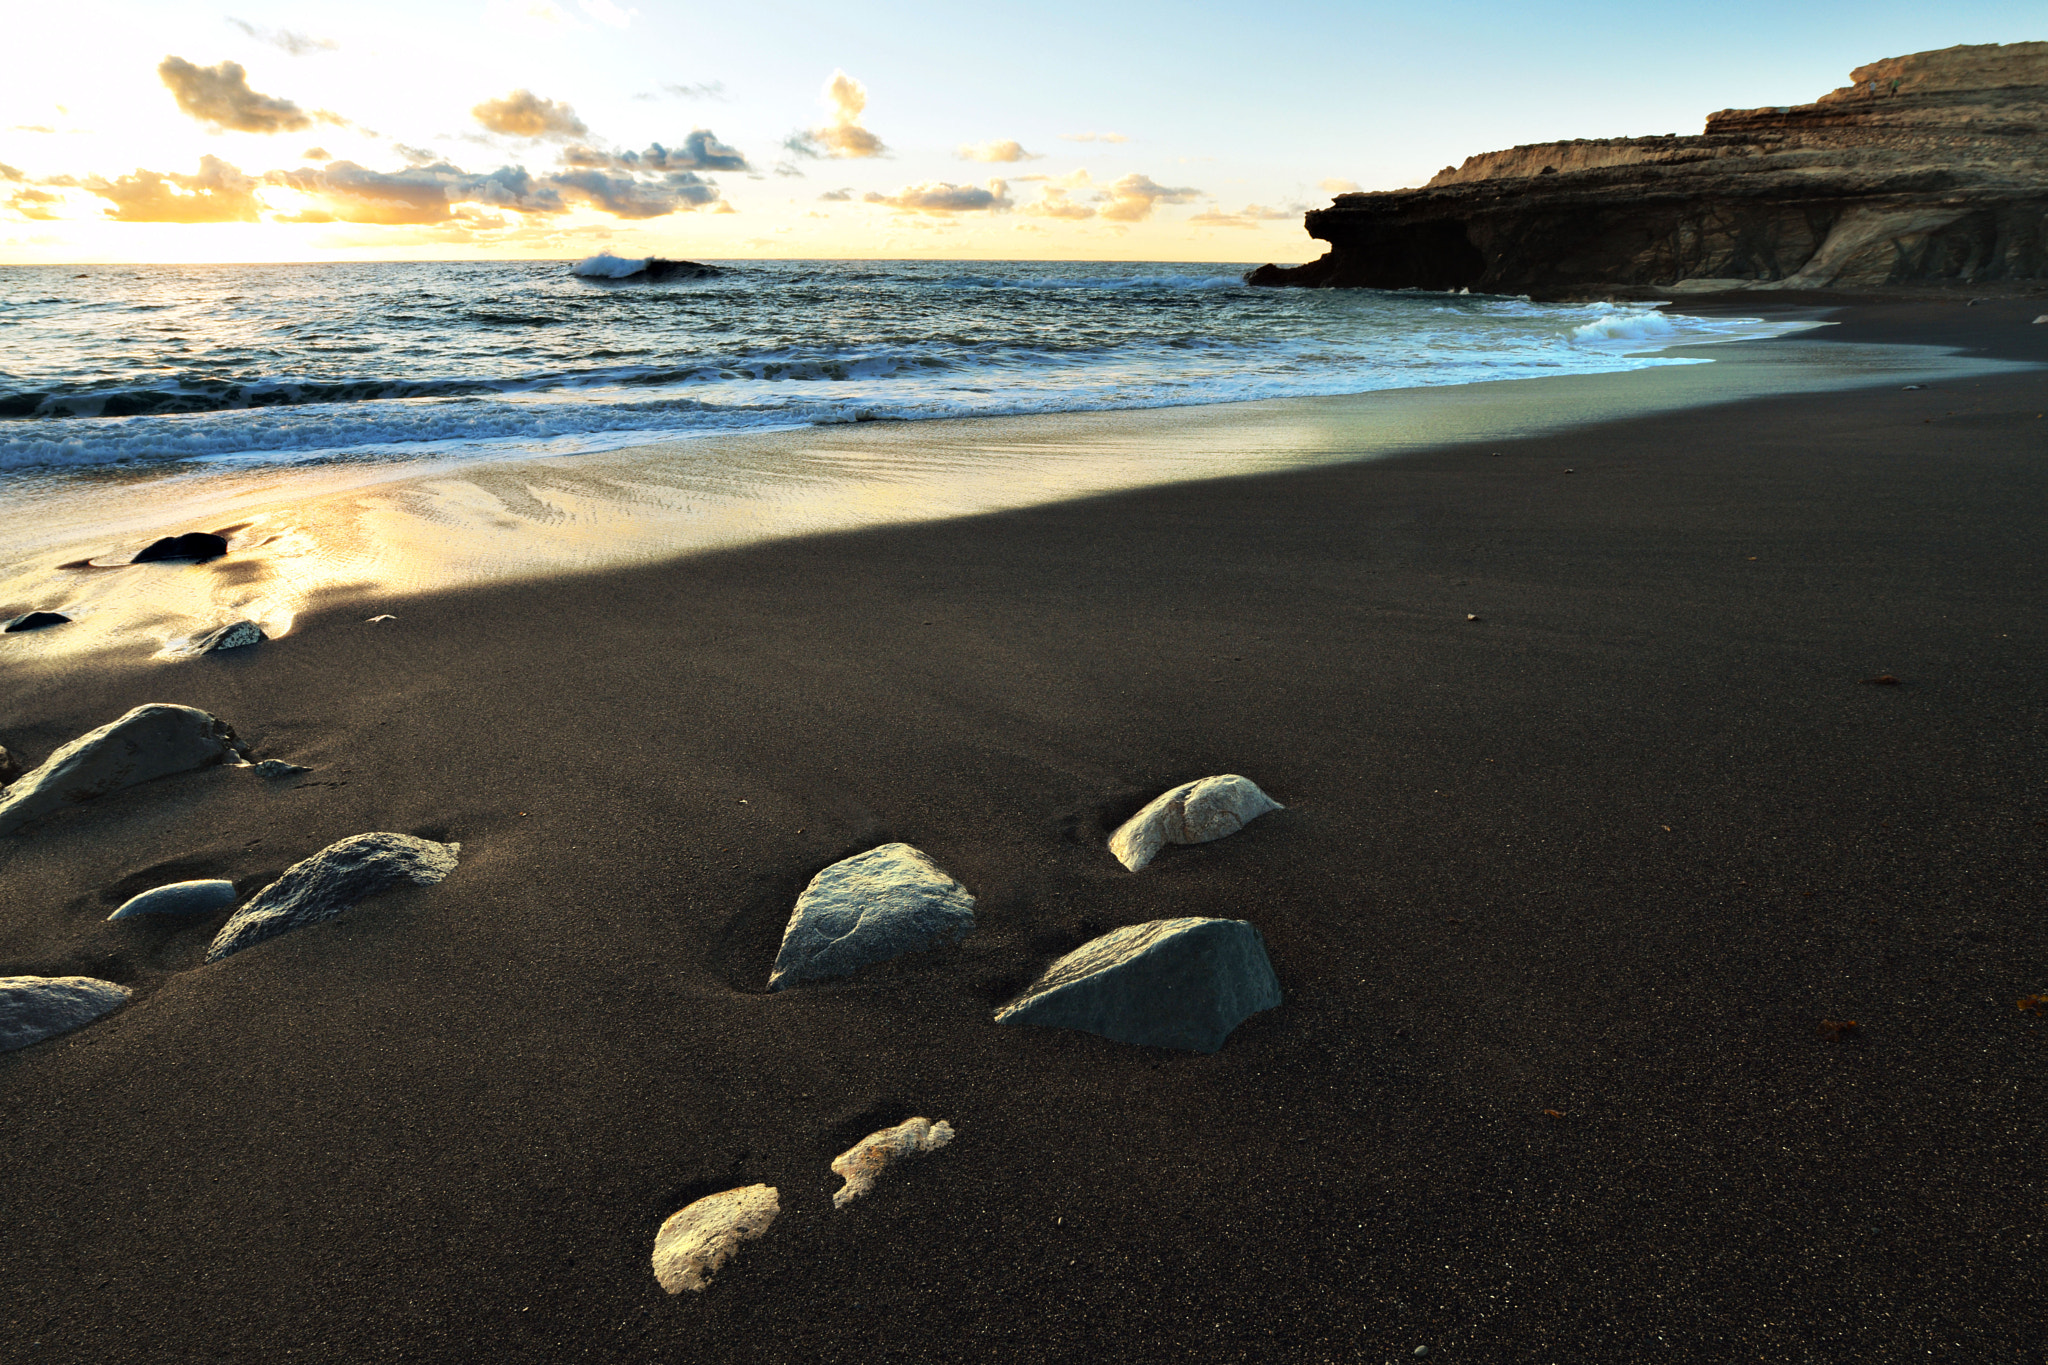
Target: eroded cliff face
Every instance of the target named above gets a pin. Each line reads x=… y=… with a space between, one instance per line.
x=1930 y=167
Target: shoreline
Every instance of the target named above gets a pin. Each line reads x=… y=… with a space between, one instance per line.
x=1557 y=902
x=303 y=534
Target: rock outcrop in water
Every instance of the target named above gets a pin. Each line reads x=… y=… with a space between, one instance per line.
x=1931 y=167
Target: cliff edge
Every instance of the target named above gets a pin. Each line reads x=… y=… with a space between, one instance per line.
x=1926 y=168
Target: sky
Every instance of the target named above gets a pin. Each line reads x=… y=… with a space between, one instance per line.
x=555 y=129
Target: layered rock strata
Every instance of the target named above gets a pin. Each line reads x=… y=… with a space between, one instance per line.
x=1928 y=168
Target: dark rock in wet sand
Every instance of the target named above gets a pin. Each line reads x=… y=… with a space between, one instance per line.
x=881 y=904
x=191 y=545
x=232 y=636
x=35 y=620
x=331 y=881
x=33 y=1008
x=1182 y=983
x=150 y=741
x=178 y=898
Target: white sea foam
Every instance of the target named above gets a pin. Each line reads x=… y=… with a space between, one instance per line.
x=605 y=266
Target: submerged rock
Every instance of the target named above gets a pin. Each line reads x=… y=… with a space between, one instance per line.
x=331 y=881
x=178 y=898
x=875 y=1153
x=35 y=620
x=696 y=1241
x=201 y=545
x=880 y=904
x=150 y=741
x=235 y=635
x=1192 y=813
x=1182 y=983
x=33 y=1008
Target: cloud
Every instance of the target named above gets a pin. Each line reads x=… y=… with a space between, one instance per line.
x=1132 y=199
x=828 y=197
x=525 y=114
x=33 y=128
x=1053 y=202
x=1333 y=185
x=33 y=204
x=220 y=95
x=842 y=136
x=605 y=12
x=8 y=172
x=626 y=197
x=701 y=151
x=349 y=193
x=298 y=44
x=1249 y=217
x=997 y=151
x=702 y=90
x=1093 y=137
x=414 y=156
x=217 y=194
x=317 y=154
x=941 y=198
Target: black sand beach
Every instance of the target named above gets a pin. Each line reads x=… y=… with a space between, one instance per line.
x=1558 y=904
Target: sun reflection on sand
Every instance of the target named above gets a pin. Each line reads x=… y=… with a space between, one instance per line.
x=303 y=536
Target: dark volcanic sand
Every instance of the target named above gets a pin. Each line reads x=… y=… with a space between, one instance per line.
x=1614 y=851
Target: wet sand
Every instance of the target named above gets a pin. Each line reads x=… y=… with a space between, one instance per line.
x=1558 y=903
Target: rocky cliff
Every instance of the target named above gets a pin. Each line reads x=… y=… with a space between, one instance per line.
x=1931 y=167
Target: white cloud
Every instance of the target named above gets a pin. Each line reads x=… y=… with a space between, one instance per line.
x=998 y=151
x=842 y=136
x=525 y=114
x=220 y=95
x=943 y=198
x=298 y=44
x=1093 y=137
x=1132 y=199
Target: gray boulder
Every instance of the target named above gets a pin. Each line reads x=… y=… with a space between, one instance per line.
x=178 y=898
x=1182 y=983
x=331 y=881
x=878 y=905
x=1192 y=813
x=33 y=1008
x=234 y=635
x=150 y=741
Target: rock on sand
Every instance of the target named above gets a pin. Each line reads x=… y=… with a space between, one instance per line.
x=876 y=1152
x=234 y=635
x=150 y=741
x=695 y=1242
x=1192 y=813
x=1182 y=983
x=200 y=545
x=878 y=905
x=332 y=880
x=33 y=1008
x=178 y=898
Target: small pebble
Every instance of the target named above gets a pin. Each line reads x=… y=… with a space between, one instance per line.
x=1471 y=616
x=373 y=620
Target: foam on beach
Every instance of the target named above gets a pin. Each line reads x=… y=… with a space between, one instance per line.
x=605 y=266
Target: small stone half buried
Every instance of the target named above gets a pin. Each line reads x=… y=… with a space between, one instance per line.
x=149 y=742
x=1192 y=813
x=875 y=1153
x=869 y=908
x=1182 y=983
x=331 y=881
x=35 y=620
x=234 y=635
x=33 y=1008
x=178 y=898
x=699 y=1239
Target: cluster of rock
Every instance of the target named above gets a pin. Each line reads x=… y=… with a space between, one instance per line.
x=155 y=741
x=197 y=547
x=1929 y=167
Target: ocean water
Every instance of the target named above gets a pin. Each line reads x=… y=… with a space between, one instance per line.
x=277 y=365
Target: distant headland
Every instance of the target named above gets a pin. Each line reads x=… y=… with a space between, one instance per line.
x=1928 y=168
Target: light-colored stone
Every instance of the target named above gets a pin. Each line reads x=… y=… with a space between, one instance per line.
x=178 y=898
x=1182 y=983
x=876 y=1152
x=1192 y=813
x=877 y=905
x=33 y=1008
x=331 y=881
x=695 y=1242
x=277 y=767
x=150 y=741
